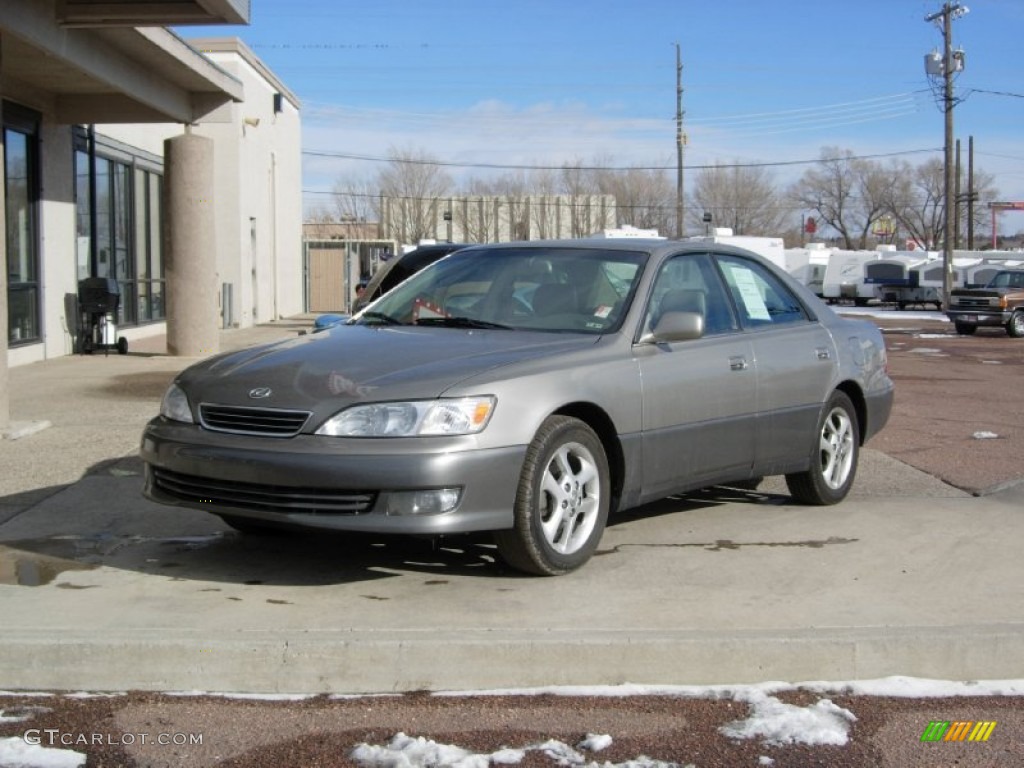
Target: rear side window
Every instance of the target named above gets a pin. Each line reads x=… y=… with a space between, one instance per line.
x=761 y=298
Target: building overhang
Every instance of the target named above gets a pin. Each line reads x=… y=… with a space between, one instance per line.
x=107 y=74
x=141 y=13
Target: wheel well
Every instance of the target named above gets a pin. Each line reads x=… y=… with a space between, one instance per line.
x=599 y=421
x=851 y=390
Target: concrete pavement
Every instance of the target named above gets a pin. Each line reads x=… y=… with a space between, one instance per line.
x=102 y=590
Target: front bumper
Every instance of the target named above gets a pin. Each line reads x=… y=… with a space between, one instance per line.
x=979 y=316
x=322 y=482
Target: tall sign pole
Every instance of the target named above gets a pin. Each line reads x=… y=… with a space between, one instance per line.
x=680 y=144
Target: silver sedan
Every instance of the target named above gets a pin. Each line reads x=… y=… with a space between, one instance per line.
x=530 y=389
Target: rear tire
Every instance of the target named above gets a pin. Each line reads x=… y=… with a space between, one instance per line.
x=834 y=454
x=562 y=502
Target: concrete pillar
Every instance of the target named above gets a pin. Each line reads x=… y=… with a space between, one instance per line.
x=5 y=403
x=190 y=255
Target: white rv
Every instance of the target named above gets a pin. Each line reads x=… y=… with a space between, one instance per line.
x=772 y=248
x=844 y=277
x=808 y=265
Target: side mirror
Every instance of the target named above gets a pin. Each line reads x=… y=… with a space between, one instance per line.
x=675 y=326
x=323 y=322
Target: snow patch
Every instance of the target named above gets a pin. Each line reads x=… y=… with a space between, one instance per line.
x=405 y=751
x=984 y=435
x=15 y=752
x=778 y=723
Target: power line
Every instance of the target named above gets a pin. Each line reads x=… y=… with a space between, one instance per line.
x=997 y=93
x=513 y=167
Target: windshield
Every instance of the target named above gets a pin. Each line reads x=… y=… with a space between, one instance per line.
x=538 y=288
x=1007 y=280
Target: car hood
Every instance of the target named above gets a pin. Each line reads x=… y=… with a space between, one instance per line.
x=323 y=372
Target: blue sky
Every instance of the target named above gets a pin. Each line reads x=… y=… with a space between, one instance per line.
x=525 y=83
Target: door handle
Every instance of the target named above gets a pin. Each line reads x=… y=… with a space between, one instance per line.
x=738 y=364
x=823 y=353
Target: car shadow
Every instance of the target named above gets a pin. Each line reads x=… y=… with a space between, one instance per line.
x=103 y=521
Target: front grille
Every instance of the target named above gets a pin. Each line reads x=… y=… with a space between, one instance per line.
x=264 y=498
x=973 y=302
x=242 y=420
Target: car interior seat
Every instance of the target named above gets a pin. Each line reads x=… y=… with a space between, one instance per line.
x=554 y=299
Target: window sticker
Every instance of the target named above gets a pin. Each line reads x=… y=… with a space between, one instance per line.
x=421 y=308
x=750 y=295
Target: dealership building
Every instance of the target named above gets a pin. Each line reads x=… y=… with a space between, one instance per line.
x=169 y=168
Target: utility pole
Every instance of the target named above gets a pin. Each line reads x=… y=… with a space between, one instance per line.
x=950 y=63
x=972 y=196
x=680 y=144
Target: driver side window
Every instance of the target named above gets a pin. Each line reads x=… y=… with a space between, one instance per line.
x=690 y=283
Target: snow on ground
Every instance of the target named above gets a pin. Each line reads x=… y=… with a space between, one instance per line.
x=16 y=752
x=407 y=752
x=777 y=723
x=770 y=720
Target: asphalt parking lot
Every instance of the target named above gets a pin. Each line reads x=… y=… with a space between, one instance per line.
x=917 y=573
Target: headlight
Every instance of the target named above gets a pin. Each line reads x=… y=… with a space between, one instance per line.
x=175 y=405
x=462 y=416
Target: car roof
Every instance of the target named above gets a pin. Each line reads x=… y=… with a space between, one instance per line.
x=653 y=246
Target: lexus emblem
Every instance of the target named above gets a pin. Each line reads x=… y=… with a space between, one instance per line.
x=260 y=392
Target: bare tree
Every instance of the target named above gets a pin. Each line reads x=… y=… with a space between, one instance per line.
x=842 y=189
x=411 y=187
x=513 y=216
x=746 y=199
x=355 y=199
x=478 y=216
x=580 y=185
x=644 y=198
x=917 y=201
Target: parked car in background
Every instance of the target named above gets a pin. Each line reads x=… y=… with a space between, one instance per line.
x=530 y=390
x=999 y=303
x=398 y=268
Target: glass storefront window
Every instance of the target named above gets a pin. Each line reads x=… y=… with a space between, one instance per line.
x=83 y=217
x=22 y=251
x=104 y=240
x=126 y=243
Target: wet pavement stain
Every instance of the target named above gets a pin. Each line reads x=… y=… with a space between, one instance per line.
x=35 y=562
x=33 y=569
x=727 y=544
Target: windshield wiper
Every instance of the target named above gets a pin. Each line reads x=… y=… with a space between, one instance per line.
x=383 y=318
x=461 y=322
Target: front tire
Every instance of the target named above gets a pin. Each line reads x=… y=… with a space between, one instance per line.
x=834 y=456
x=965 y=329
x=562 y=502
x=1015 y=325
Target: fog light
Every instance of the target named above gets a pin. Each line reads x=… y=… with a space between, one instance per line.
x=434 y=502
